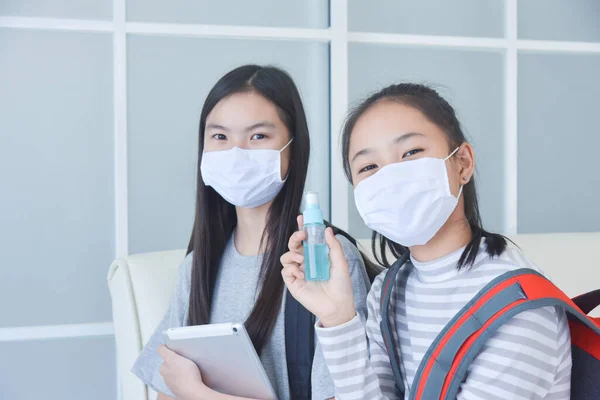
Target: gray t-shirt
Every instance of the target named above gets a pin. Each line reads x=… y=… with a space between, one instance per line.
x=236 y=290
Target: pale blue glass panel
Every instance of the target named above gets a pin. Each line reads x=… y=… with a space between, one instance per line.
x=559 y=179
x=88 y=9
x=481 y=18
x=65 y=369
x=56 y=167
x=288 y=13
x=571 y=20
x=168 y=80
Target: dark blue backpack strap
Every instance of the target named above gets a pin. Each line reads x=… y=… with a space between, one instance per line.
x=588 y=301
x=299 y=347
x=386 y=322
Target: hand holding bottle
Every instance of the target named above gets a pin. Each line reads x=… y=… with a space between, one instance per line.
x=331 y=301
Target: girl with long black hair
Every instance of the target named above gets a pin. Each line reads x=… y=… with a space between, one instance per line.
x=253 y=155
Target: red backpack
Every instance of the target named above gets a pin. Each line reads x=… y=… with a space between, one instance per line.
x=447 y=360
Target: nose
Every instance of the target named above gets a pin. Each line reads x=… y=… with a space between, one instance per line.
x=238 y=141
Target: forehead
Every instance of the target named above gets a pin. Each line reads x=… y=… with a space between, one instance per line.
x=243 y=107
x=389 y=118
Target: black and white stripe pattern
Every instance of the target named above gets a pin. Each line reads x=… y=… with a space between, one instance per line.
x=529 y=357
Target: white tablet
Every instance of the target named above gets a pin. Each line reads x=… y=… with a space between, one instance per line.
x=226 y=358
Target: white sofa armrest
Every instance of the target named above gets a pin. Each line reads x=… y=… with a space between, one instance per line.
x=127 y=330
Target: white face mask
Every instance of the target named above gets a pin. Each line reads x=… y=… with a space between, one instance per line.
x=245 y=178
x=407 y=202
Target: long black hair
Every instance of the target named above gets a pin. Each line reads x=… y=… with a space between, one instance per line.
x=441 y=113
x=216 y=219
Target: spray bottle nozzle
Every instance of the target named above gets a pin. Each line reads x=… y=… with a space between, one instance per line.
x=311 y=200
x=312 y=212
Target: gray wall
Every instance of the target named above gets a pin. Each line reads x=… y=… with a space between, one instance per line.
x=57 y=146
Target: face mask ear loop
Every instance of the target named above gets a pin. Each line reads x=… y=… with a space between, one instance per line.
x=279 y=168
x=461 y=186
x=451 y=154
x=288 y=143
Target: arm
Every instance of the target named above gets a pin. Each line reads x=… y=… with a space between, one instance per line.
x=528 y=358
x=340 y=331
x=321 y=381
x=359 y=363
x=183 y=378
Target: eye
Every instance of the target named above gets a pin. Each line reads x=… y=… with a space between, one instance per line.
x=219 y=136
x=411 y=153
x=367 y=168
x=259 y=136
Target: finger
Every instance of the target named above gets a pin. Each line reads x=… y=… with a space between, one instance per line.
x=295 y=271
x=291 y=274
x=164 y=352
x=291 y=258
x=300 y=220
x=295 y=242
x=336 y=252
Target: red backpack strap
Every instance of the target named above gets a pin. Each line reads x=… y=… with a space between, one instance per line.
x=458 y=345
x=540 y=292
x=386 y=322
x=579 y=332
x=437 y=361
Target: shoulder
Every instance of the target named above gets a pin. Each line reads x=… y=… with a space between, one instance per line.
x=350 y=250
x=546 y=323
x=356 y=265
x=486 y=268
x=185 y=268
x=515 y=258
x=184 y=278
x=541 y=333
x=537 y=329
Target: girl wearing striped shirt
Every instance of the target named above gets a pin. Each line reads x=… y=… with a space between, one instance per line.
x=412 y=170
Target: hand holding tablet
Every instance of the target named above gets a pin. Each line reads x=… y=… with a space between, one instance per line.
x=225 y=357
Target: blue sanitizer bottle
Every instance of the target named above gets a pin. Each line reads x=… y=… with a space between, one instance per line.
x=316 y=252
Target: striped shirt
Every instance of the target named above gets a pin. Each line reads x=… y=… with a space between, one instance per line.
x=529 y=357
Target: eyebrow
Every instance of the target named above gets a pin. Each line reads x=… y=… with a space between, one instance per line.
x=216 y=126
x=262 y=124
x=406 y=136
x=397 y=140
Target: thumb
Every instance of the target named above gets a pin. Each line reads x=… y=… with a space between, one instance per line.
x=300 y=220
x=336 y=253
x=164 y=352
